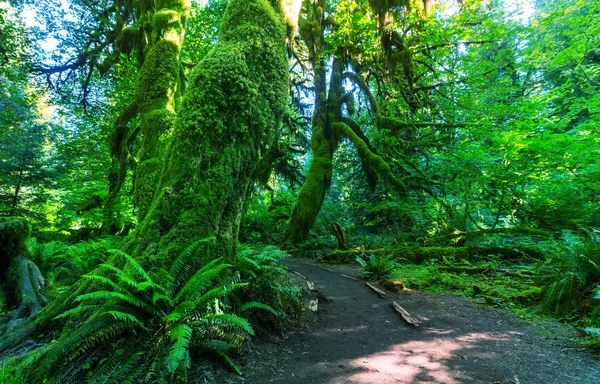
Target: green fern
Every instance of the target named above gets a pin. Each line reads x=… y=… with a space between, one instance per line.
x=377 y=267
x=186 y=312
x=569 y=274
x=162 y=322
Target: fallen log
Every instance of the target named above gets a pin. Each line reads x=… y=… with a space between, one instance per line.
x=376 y=290
x=405 y=315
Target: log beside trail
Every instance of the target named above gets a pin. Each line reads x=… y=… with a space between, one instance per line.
x=405 y=315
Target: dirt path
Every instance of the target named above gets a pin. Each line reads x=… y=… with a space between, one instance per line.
x=357 y=338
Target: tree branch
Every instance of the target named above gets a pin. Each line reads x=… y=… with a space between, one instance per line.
x=364 y=87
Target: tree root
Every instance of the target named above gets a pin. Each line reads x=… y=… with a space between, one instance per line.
x=30 y=284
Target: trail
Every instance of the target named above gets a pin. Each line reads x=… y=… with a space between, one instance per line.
x=357 y=338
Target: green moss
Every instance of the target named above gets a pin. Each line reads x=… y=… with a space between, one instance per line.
x=232 y=108
x=373 y=160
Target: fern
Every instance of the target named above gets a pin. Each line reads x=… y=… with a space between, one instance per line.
x=377 y=267
x=162 y=322
x=181 y=335
x=180 y=270
x=256 y=305
x=569 y=274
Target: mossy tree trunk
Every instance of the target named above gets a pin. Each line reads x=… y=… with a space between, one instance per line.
x=158 y=93
x=23 y=280
x=324 y=139
x=231 y=108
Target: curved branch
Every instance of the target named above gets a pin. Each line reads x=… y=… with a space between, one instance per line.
x=364 y=87
x=373 y=160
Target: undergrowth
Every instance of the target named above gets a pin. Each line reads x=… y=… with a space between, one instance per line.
x=134 y=327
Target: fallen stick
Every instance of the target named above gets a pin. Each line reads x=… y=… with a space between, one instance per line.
x=296 y=273
x=405 y=315
x=377 y=290
x=350 y=277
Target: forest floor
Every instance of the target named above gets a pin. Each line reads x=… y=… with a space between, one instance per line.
x=355 y=337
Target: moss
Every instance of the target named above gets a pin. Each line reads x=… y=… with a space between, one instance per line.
x=157 y=94
x=232 y=107
x=14 y=232
x=374 y=161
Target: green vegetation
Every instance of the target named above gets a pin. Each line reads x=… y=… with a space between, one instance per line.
x=450 y=146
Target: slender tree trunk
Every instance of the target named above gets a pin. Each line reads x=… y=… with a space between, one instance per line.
x=15 y=199
x=324 y=141
x=232 y=107
x=158 y=94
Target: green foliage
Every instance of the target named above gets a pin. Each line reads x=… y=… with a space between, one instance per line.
x=570 y=275
x=65 y=263
x=376 y=267
x=11 y=373
x=169 y=320
x=130 y=328
x=265 y=215
x=270 y=294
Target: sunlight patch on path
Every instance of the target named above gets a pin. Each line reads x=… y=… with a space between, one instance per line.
x=415 y=362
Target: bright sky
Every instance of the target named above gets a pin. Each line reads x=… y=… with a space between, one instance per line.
x=521 y=10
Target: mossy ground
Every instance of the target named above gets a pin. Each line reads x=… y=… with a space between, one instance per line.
x=492 y=283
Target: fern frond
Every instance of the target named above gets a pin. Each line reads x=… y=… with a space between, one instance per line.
x=257 y=305
x=118 y=369
x=180 y=336
x=230 y=362
x=218 y=346
x=107 y=295
x=126 y=318
x=122 y=275
x=78 y=311
x=230 y=322
x=180 y=269
x=198 y=283
x=132 y=262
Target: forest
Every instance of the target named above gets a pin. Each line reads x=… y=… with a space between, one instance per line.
x=166 y=166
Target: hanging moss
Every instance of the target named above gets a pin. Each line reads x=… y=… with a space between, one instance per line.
x=374 y=161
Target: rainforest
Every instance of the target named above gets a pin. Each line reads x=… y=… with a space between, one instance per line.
x=302 y=191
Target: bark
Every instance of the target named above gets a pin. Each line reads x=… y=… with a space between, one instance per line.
x=232 y=107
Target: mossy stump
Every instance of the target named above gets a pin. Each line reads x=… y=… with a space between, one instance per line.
x=21 y=278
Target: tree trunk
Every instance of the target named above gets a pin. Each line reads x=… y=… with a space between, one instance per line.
x=232 y=107
x=23 y=276
x=324 y=141
x=158 y=94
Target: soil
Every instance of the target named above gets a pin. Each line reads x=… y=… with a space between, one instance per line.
x=355 y=337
